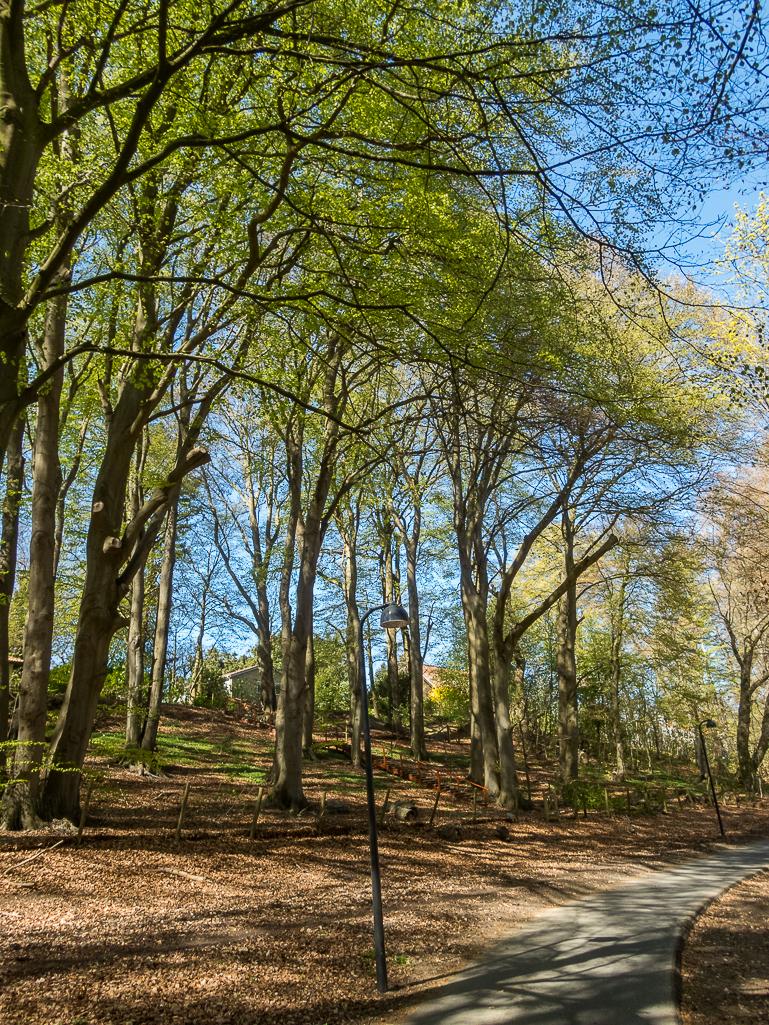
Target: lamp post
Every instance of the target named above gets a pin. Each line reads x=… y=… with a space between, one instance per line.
x=710 y=725
x=393 y=618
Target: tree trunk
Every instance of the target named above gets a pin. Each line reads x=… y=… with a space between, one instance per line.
x=520 y=707
x=103 y=590
x=135 y=646
x=162 y=624
x=388 y=595
x=566 y=639
x=508 y=779
x=418 y=748
x=615 y=672
x=762 y=744
x=38 y=633
x=745 y=768
x=371 y=688
x=481 y=706
x=14 y=482
x=264 y=653
x=348 y=531
x=196 y=676
x=287 y=766
x=568 y=721
x=22 y=141
x=135 y=663
x=309 y=695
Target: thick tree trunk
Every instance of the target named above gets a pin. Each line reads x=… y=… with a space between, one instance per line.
x=745 y=767
x=162 y=624
x=309 y=696
x=566 y=662
x=481 y=705
x=568 y=714
x=22 y=140
x=14 y=482
x=762 y=744
x=287 y=766
x=103 y=590
x=508 y=778
x=289 y=721
x=38 y=633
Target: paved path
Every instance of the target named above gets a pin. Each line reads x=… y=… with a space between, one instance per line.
x=603 y=960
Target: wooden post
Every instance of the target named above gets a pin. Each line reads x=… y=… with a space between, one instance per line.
x=435 y=806
x=627 y=795
x=320 y=817
x=606 y=800
x=584 y=807
x=257 y=809
x=439 y=779
x=181 y=813
x=85 y=811
x=557 y=807
x=576 y=805
x=384 y=807
x=680 y=806
x=664 y=800
x=546 y=806
x=401 y=759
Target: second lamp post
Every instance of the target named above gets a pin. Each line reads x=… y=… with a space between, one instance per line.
x=394 y=617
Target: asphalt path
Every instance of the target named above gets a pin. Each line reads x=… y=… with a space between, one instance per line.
x=607 y=959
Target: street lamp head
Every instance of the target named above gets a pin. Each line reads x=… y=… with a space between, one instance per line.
x=394 y=617
x=709 y=724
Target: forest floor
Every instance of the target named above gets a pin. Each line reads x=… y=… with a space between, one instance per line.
x=133 y=928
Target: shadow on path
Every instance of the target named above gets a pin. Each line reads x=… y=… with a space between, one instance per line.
x=608 y=959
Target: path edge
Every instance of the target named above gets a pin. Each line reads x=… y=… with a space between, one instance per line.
x=688 y=927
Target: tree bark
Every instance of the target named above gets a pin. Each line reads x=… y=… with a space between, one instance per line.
x=417 y=705
x=508 y=778
x=162 y=624
x=14 y=482
x=309 y=696
x=21 y=146
x=371 y=688
x=287 y=766
x=615 y=674
x=38 y=633
x=566 y=639
x=744 y=715
x=481 y=706
x=568 y=713
x=135 y=647
x=348 y=529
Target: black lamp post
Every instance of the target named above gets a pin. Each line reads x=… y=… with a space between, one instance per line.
x=710 y=725
x=393 y=618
